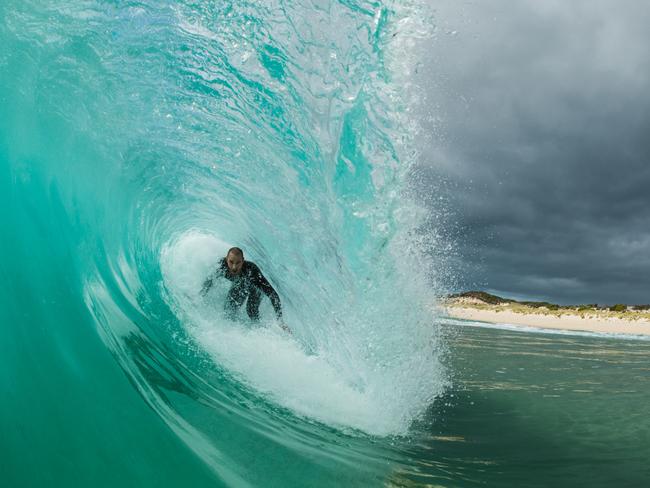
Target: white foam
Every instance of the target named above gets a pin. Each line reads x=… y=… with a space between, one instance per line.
x=266 y=358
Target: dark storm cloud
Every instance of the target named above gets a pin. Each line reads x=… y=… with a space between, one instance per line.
x=541 y=146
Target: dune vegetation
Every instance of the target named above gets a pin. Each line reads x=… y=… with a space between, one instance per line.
x=481 y=300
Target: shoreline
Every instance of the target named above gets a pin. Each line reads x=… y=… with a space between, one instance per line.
x=496 y=314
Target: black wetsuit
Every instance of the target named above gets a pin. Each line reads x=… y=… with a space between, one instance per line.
x=247 y=284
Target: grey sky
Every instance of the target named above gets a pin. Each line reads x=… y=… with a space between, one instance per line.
x=540 y=146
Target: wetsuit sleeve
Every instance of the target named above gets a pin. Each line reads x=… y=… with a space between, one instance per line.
x=207 y=284
x=263 y=284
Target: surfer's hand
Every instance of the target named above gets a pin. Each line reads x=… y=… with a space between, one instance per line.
x=284 y=327
x=207 y=284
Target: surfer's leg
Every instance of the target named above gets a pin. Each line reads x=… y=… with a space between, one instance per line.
x=234 y=300
x=253 y=304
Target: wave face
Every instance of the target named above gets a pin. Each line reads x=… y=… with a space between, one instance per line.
x=140 y=140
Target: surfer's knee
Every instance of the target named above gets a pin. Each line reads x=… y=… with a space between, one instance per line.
x=253 y=309
x=253 y=306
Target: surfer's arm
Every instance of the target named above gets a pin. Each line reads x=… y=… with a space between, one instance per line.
x=263 y=284
x=207 y=284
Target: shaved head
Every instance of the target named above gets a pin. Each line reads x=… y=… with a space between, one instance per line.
x=235 y=250
x=235 y=260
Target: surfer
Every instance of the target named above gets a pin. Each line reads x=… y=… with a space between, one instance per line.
x=247 y=283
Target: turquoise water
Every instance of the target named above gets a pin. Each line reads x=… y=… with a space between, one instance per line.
x=138 y=140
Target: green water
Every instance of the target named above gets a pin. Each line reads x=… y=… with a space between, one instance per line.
x=140 y=139
x=541 y=410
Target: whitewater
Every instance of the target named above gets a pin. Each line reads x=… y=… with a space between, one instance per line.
x=138 y=142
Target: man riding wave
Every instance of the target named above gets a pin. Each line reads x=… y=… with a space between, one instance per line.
x=248 y=283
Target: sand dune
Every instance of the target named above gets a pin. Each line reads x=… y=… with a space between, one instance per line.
x=595 y=322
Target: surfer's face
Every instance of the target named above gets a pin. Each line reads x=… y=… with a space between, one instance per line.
x=234 y=262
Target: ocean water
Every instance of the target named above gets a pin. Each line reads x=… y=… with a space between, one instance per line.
x=138 y=141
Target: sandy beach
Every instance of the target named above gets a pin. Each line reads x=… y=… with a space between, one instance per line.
x=596 y=322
